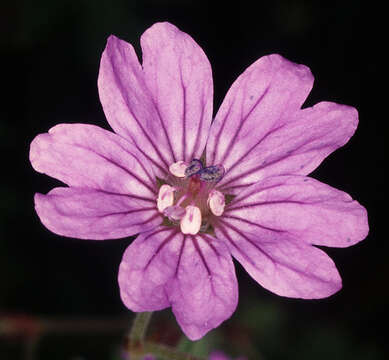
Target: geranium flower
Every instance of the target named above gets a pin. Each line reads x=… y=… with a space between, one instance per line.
x=198 y=192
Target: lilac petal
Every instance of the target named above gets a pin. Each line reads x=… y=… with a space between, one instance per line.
x=94 y=214
x=297 y=147
x=260 y=130
x=193 y=274
x=165 y=108
x=179 y=77
x=280 y=263
x=128 y=105
x=87 y=156
x=254 y=105
x=301 y=207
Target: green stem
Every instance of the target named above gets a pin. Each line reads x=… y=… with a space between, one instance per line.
x=167 y=353
x=139 y=347
x=138 y=329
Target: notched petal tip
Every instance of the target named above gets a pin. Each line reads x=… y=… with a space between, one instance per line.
x=113 y=44
x=301 y=71
x=113 y=41
x=345 y=114
x=359 y=229
x=43 y=210
x=37 y=150
x=111 y=38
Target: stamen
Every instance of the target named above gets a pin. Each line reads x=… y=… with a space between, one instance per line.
x=174 y=212
x=216 y=202
x=165 y=197
x=178 y=168
x=193 y=168
x=212 y=173
x=191 y=192
x=191 y=222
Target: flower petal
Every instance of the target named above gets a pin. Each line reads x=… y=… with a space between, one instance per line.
x=260 y=130
x=254 y=105
x=302 y=207
x=94 y=214
x=128 y=105
x=297 y=147
x=165 y=108
x=179 y=77
x=280 y=263
x=87 y=156
x=193 y=274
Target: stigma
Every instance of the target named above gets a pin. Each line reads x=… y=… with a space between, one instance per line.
x=189 y=200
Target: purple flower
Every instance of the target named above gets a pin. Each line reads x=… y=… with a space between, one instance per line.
x=199 y=192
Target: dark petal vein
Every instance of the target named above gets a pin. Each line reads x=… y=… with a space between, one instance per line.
x=162 y=245
x=198 y=249
x=232 y=141
x=252 y=223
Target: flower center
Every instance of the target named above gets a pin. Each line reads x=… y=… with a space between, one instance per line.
x=189 y=199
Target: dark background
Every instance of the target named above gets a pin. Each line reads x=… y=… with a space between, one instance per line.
x=50 y=53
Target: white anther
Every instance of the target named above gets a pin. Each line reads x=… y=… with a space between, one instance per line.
x=165 y=197
x=191 y=222
x=178 y=168
x=216 y=202
x=174 y=212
